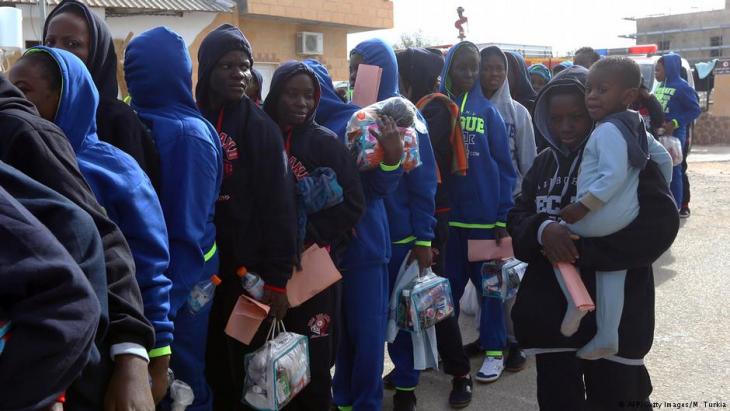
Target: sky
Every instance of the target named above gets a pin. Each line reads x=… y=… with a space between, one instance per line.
x=566 y=25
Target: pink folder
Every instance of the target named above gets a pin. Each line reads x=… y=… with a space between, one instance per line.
x=367 y=85
x=485 y=250
x=576 y=288
x=246 y=318
x=318 y=272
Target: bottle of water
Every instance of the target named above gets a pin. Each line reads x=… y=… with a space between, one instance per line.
x=252 y=283
x=181 y=395
x=202 y=293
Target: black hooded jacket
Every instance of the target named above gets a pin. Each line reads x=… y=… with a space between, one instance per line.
x=39 y=149
x=551 y=185
x=116 y=122
x=256 y=213
x=311 y=146
x=51 y=307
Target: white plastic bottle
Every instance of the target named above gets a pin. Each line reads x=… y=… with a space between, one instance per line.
x=252 y=283
x=202 y=293
x=181 y=394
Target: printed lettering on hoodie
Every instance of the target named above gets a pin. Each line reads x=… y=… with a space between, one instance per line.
x=549 y=197
x=664 y=94
x=230 y=153
x=297 y=168
x=472 y=126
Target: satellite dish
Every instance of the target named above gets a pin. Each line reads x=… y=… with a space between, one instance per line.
x=11 y=28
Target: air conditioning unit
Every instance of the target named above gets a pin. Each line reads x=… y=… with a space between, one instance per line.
x=310 y=43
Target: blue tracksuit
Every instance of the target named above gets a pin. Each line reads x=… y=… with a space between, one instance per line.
x=190 y=178
x=120 y=186
x=410 y=208
x=359 y=365
x=481 y=199
x=679 y=102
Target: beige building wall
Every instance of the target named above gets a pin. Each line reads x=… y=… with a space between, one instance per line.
x=365 y=14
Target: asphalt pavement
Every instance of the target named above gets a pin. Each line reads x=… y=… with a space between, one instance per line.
x=690 y=360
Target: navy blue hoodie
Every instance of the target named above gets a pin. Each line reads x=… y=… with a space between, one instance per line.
x=371 y=243
x=311 y=146
x=412 y=206
x=481 y=199
x=120 y=186
x=676 y=96
x=51 y=306
x=190 y=152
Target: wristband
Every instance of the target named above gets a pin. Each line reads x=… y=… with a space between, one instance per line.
x=160 y=352
x=386 y=167
x=423 y=243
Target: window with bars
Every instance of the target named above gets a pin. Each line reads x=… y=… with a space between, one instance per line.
x=716 y=41
x=664 y=45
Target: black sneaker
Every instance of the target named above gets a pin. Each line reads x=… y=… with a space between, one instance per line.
x=684 y=212
x=473 y=350
x=516 y=359
x=460 y=395
x=388 y=381
x=404 y=401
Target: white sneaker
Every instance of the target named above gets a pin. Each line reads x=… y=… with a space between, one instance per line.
x=491 y=370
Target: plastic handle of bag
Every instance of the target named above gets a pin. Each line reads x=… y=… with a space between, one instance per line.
x=271 y=334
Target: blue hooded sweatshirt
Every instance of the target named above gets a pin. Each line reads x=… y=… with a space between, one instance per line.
x=190 y=153
x=412 y=206
x=371 y=243
x=481 y=199
x=120 y=186
x=676 y=96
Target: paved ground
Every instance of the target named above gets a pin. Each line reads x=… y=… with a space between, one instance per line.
x=690 y=360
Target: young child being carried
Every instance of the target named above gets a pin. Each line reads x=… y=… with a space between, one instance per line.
x=607 y=200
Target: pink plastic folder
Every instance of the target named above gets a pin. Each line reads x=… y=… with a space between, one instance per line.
x=485 y=250
x=318 y=272
x=246 y=318
x=576 y=288
x=367 y=85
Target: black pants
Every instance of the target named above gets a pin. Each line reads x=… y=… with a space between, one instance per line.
x=685 y=179
x=565 y=382
x=448 y=333
x=314 y=319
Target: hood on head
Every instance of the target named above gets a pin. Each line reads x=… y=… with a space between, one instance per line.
x=445 y=87
x=569 y=80
x=215 y=45
x=517 y=67
x=376 y=52
x=282 y=74
x=76 y=113
x=332 y=112
x=503 y=94
x=541 y=70
x=12 y=98
x=158 y=70
x=259 y=81
x=672 y=67
x=102 y=61
x=419 y=67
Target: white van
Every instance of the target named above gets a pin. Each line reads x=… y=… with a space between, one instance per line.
x=646 y=63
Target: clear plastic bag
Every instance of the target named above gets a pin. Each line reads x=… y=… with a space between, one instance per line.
x=363 y=124
x=278 y=371
x=674 y=147
x=501 y=278
x=424 y=302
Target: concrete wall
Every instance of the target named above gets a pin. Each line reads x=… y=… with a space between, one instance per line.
x=368 y=14
x=711 y=129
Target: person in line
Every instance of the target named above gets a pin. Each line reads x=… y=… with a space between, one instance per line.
x=190 y=178
x=73 y=27
x=479 y=200
x=256 y=210
x=681 y=108
x=292 y=103
x=607 y=200
x=419 y=71
x=410 y=211
x=586 y=57
x=48 y=309
x=116 y=180
x=565 y=382
x=253 y=88
x=540 y=75
x=561 y=66
x=686 y=148
x=358 y=380
x=495 y=87
x=520 y=82
x=650 y=109
x=40 y=150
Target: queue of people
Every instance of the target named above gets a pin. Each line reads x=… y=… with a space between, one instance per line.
x=130 y=226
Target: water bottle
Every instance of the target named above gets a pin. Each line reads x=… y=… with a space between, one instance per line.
x=252 y=283
x=202 y=293
x=181 y=394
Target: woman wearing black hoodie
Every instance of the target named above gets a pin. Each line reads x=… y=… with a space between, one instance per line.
x=73 y=27
x=255 y=215
x=292 y=103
